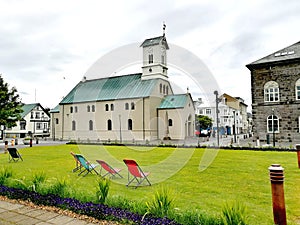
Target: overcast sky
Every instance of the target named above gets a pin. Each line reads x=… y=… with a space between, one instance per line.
x=46 y=46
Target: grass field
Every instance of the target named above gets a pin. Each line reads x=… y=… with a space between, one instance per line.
x=202 y=179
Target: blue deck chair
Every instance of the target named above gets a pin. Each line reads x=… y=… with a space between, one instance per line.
x=14 y=155
x=86 y=165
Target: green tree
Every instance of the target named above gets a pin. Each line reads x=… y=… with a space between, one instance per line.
x=204 y=121
x=10 y=105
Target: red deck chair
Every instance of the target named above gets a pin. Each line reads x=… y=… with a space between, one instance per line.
x=110 y=170
x=78 y=165
x=136 y=172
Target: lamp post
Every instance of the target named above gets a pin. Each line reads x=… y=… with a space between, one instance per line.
x=234 y=128
x=217 y=115
x=273 y=127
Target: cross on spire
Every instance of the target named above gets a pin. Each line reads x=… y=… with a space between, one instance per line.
x=164 y=28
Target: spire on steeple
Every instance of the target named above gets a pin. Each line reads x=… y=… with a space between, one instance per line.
x=164 y=28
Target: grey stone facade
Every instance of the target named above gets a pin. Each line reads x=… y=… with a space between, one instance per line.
x=283 y=67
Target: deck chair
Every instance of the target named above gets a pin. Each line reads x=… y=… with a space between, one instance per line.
x=78 y=165
x=14 y=155
x=109 y=170
x=86 y=165
x=135 y=170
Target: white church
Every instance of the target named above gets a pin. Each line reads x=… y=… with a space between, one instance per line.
x=140 y=106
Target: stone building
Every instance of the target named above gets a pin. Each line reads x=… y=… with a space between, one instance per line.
x=140 y=106
x=275 y=88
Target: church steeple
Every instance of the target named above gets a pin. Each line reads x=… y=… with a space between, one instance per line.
x=155 y=57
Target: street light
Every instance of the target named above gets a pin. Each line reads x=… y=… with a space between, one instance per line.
x=234 y=133
x=273 y=126
x=217 y=115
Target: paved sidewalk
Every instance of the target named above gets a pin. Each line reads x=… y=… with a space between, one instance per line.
x=14 y=213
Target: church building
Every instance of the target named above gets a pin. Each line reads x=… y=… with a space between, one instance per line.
x=140 y=106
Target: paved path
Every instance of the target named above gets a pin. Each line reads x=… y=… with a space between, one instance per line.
x=14 y=213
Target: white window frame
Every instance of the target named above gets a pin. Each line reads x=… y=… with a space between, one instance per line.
x=271 y=92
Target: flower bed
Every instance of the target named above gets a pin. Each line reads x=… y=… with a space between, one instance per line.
x=98 y=211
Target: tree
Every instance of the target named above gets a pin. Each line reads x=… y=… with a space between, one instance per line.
x=204 y=121
x=10 y=105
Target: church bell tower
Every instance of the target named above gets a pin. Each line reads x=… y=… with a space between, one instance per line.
x=155 y=57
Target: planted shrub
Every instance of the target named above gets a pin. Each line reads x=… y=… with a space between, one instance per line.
x=37 y=180
x=195 y=218
x=102 y=190
x=234 y=214
x=5 y=173
x=161 y=204
x=57 y=187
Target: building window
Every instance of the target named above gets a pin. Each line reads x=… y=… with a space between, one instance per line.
x=164 y=89
x=106 y=107
x=132 y=105
x=73 y=125
x=271 y=91
x=88 y=108
x=90 y=125
x=112 y=107
x=170 y=121
x=207 y=111
x=298 y=89
x=162 y=59
x=31 y=116
x=273 y=122
x=130 y=124
x=22 y=125
x=150 y=57
x=56 y=121
x=160 y=88
x=76 y=109
x=126 y=106
x=93 y=108
x=71 y=109
x=167 y=90
x=109 y=125
x=37 y=115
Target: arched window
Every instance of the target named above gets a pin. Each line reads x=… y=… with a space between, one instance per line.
x=150 y=58
x=160 y=88
x=90 y=125
x=76 y=109
x=106 y=107
x=132 y=105
x=297 y=87
x=73 y=125
x=162 y=59
x=273 y=123
x=88 y=108
x=164 y=89
x=71 y=109
x=109 y=125
x=170 y=122
x=56 y=121
x=167 y=90
x=112 y=107
x=271 y=91
x=130 y=124
x=93 y=108
x=126 y=106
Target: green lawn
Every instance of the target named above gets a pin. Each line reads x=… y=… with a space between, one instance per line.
x=203 y=179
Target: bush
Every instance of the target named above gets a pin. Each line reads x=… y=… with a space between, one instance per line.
x=5 y=173
x=102 y=190
x=234 y=214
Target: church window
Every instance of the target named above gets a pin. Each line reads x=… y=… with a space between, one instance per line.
x=109 y=125
x=73 y=125
x=106 y=107
x=93 y=108
x=76 y=109
x=298 y=89
x=170 y=121
x=271 y=91
x=90 y=125
x=160 y=88
x=150 y=58
x=164 y=89
x=56 y=121
x=162 y=59
x=167 y=90
x=88 y=108
x=273 y=124
x=126 y=106
x=132 y=105
x=112 y=107
x=71 y=109
x=130 y=124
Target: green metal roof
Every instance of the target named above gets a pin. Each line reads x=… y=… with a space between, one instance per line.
x=155 y=41
x=28 y=108
x=174 y=101
x=55 y=109
x=110 y=88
